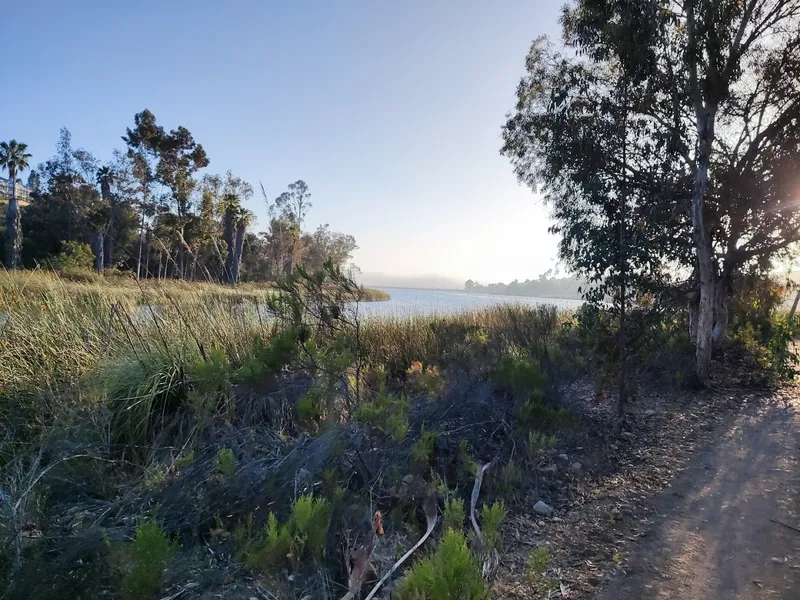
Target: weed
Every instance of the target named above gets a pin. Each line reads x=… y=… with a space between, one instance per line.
x=386 y=412
x=428 y=379
x=450 y=573
x=491 y=519
x=454 y=514
x=467 y=463
x=226 y=463
x=510 y=478
x=422 y=449
x=150 y=552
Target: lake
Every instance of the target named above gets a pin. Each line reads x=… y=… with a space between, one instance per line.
x=409 y=302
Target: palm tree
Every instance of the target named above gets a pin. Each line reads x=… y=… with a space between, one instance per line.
x=104 y=240
x=243 y=218
x=14 y=158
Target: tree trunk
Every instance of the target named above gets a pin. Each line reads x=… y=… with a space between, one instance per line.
x=141 y=243
x=702 y=239
x=237 y=257
x=13 y=227
x=98 y=247
x=108 y=250
x=722 y=303
x=228 y=234
x=794 y=305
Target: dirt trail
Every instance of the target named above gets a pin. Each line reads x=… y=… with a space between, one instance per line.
x=714 y=539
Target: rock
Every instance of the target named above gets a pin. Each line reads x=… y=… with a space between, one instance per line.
x=627 y=435
x=594 y=580
x=542 y=508
x=563 y=457
x=650 y=412
x=558 y=520
x=541 y=523
x=575 y=467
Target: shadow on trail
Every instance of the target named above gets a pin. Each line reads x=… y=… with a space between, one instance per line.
x=715 y=540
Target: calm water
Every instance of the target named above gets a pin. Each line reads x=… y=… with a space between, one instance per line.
x=407 y=302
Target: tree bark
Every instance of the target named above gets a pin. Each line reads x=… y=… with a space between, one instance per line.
x=722 y=302
x=13 y=227
x=98 y=246
x=237 y=256
x=229 y=233
x=702 y=239
x=794 y=306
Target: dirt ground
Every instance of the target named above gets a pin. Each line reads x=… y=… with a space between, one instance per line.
x=712 y=535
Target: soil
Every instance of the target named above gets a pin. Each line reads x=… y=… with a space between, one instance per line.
x=678 y=504
x=716 y=537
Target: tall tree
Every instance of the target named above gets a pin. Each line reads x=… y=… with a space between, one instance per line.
x=13 y=158
x=718 y=91
x=243 y=218
x=105 y=177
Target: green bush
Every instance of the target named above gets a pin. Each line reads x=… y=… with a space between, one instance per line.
x=491 y=519
x=226 y=463
x=454 y=514
x=270 y=357
x=74 y=255
x=450 y=573
x=422 y=449
x=522 y=377
x=303 y=535
x=386 y=412
x=151 y=551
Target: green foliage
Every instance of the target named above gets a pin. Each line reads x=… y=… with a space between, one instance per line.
x=150 y=553
x=468 y=465
x=74 y=255
x=450 y=573
x=510 y=478
x=302 y=536
x=226 y=463
x=270 y=357
x=538 y=443
x=538 y=562
x=386 y=412
x=491 y=519
x=422 y=449
x=454 y=514
x=520 y=376
x=427 y=379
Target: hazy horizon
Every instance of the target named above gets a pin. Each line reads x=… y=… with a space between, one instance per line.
x=391 y=115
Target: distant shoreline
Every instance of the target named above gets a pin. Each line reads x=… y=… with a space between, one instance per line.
x=462 y=291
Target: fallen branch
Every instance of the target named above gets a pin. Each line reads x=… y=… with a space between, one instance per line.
x=785 y=525
x=432 y=515
x=476 y=490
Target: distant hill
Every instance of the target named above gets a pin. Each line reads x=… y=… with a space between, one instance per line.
x=425 y=282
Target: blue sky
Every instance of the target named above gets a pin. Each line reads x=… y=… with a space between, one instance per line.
x=391 y=112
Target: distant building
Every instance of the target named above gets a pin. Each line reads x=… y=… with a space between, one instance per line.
x=23 y=194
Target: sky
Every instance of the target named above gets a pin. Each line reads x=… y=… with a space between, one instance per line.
x=391 y=112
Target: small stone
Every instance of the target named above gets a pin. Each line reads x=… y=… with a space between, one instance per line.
x=594 y=580
x=649 y=412
x=541 y=523
x=542 y=508
x=558 y=520
x=627 y=435
x=563 y=457
x=575 y=467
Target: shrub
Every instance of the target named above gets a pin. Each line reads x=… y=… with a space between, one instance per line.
x=386 y=412
x=454 y=514
x=226 y=464
x=537 y=565
x=450 y=573
x=522 y=377
x=151 y=551
x=270 y=357
x=74 y=255
x=428 y=379
x=303 y=535
x=468 y=465
x=491 y=519
x=422 y=449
